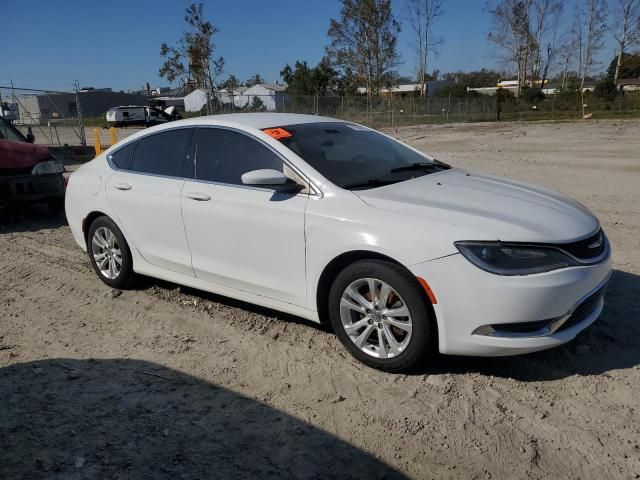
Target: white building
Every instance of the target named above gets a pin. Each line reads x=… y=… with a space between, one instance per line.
x=226 y=97
x=409 y=89
x=273 y=96
x=195 y=101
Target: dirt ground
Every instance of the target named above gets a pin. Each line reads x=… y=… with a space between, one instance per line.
x=167 y=382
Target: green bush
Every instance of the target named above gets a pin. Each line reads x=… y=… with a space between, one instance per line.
x=532 y=95
x=456 y=91
x=606 y=90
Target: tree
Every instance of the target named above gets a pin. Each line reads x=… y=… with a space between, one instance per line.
x=571 y=45
x=510 y=32
x=196 y=48
x=546 y=18
x=303 y=80
x=475 y=79
x=299 y=79
x=254 y=80
x=629 y=67
x=456 y=91
x=423 y=14
x=325 y=77
x=232 y=83
x=606 y=90
x=347 y=83
x=593 y=28
x=627 y=29
x=404 y=80
x=257 y=105
x=364 y=41
x=526 y=31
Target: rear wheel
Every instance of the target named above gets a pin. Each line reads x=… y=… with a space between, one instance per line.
x=379 y=312
x=109 y=253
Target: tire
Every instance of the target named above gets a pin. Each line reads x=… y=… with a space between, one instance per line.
x=412 y=345
x=125 y=277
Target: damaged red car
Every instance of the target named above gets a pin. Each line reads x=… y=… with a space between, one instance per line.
x=28 y=172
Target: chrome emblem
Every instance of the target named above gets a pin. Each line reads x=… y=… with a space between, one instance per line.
x=597 y=243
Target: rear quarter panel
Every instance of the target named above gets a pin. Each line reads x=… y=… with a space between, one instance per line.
x=85 y=194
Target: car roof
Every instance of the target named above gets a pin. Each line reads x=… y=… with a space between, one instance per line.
x=259 y=120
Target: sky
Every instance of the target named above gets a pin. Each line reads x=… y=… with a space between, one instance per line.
x=46 y=44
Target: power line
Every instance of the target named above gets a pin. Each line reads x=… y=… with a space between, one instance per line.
x=31 y=89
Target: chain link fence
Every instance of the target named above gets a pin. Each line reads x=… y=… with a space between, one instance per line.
x=395 y=111
x=43 y=112
x=58 y=118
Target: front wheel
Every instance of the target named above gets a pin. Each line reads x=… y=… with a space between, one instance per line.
x=109 y=253
x=380 y=313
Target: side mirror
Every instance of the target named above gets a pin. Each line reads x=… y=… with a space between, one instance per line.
x=269 y=178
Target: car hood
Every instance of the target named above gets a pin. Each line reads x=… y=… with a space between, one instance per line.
x=486 y=207
x=21 y=154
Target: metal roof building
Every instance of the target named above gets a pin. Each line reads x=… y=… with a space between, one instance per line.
x=38 y=109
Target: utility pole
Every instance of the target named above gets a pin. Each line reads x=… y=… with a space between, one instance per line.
x=83 y=138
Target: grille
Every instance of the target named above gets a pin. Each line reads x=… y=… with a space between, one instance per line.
x=583 y=310
x=585 y=249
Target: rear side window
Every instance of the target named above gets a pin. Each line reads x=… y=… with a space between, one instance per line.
x=224 y=155
x=162 y=153
x=122 y=158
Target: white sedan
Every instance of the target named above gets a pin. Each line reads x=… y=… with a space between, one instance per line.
x=333 y=221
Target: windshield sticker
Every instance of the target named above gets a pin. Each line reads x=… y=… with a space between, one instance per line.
x=278 y=133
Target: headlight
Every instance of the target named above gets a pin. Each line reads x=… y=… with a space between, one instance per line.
x=513 y=259
x=48 y=167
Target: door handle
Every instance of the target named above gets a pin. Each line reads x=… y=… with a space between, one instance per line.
x=200 y=197
x=122 y=186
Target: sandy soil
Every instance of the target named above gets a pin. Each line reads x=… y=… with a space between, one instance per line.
x=167 y=382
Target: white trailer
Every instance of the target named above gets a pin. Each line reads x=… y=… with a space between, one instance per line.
x=138 y=115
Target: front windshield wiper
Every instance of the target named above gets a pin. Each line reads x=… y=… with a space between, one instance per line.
x=435 y=165
x=371 y=183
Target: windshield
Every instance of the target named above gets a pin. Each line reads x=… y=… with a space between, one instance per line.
x=354 y=157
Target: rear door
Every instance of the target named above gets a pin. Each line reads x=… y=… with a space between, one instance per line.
x=247 y=238
x=145 y=191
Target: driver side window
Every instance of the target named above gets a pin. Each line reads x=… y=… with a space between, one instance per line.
x=222 y=156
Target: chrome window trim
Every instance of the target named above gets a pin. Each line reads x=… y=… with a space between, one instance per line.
x=315 y=190
x=157 y=175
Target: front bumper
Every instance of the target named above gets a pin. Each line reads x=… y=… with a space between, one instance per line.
x=31 y=188
x=472 y=305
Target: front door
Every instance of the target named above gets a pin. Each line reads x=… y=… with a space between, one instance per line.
x=247 y=238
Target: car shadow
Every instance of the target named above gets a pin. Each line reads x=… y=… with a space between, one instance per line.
x=606 y=345
x=167 y=288
x=120 y=418
x=30 y=217
x=609 y=344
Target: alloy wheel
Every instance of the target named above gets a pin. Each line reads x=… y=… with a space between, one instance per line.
x=106 y=253
x=376 y=318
